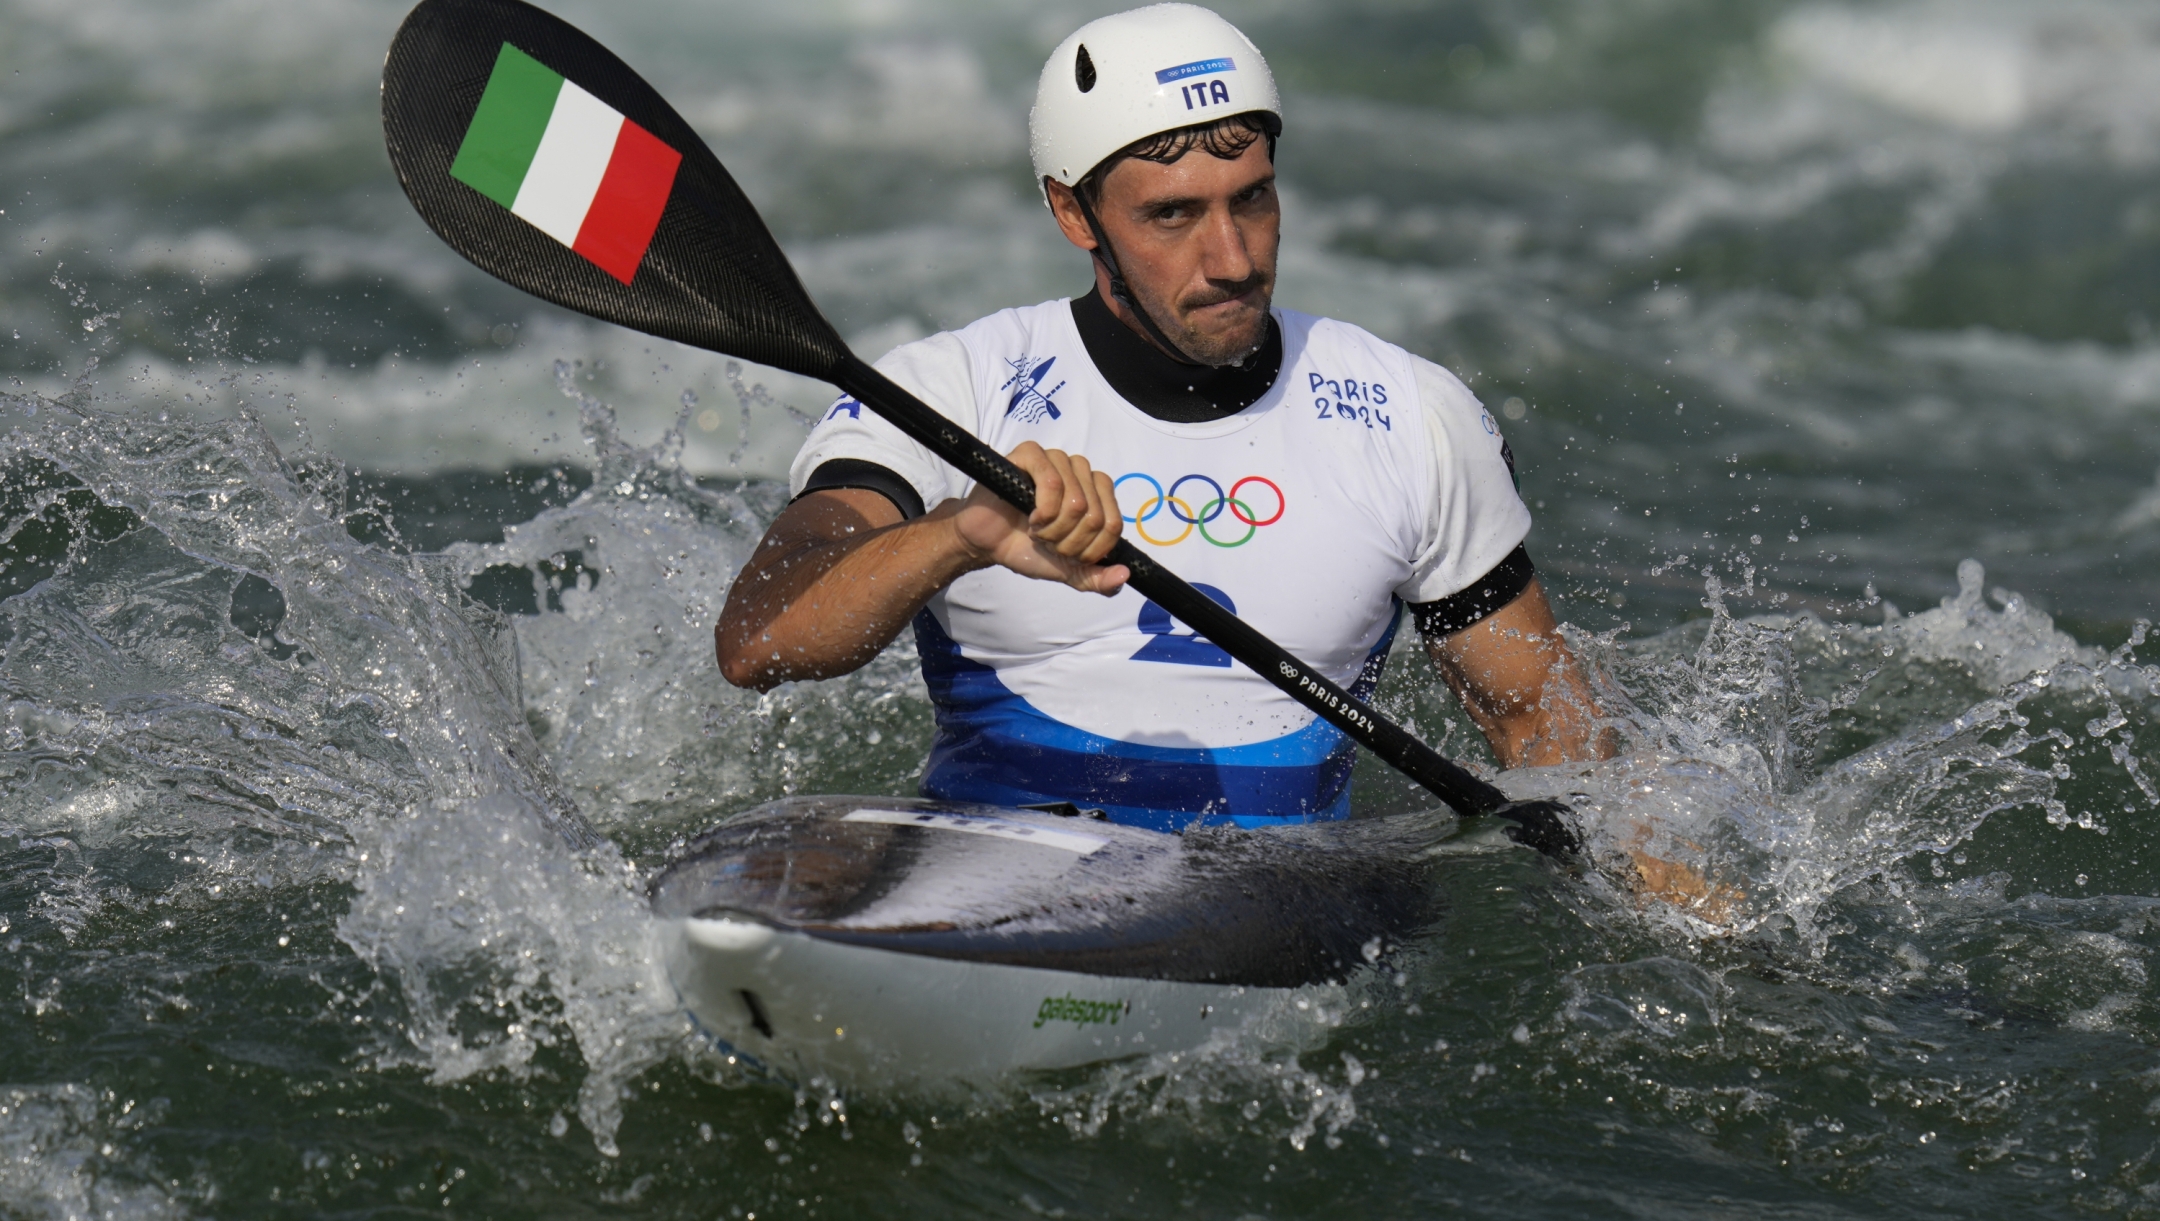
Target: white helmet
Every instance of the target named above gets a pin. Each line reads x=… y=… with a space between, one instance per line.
x=1136 y=74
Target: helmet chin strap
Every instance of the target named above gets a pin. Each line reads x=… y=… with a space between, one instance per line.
x=1123 y=291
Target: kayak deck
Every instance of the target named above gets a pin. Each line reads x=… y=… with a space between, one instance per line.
x=875 y=936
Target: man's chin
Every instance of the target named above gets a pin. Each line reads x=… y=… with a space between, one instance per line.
x=1226 y=341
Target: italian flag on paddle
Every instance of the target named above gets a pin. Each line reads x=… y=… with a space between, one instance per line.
x=567 y=162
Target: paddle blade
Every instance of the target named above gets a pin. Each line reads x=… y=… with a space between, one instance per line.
x=544 y=159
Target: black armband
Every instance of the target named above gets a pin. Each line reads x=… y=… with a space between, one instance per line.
x=856 y=473
x=1483 y=596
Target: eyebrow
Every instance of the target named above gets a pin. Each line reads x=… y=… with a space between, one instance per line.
x=1179 y=201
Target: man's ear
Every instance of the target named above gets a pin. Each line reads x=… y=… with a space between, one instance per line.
x=1066 y=207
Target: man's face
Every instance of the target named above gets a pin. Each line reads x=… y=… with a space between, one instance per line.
x=1196 y=240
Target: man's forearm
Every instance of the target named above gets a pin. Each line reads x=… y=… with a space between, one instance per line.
x=823 y=601
x=839 y=574
x=1560 y=727
x=1518 y=680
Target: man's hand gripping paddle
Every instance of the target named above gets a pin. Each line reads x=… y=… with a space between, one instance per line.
x=544 y=159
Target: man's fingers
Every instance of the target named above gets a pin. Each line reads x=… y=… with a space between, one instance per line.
x=1107 y=581
x=1073 y=501
x=1052 y=479
x=1110 y=522
x=1057 y=516
x=1082 y=518
x=1093 y=578
x=1075 y=522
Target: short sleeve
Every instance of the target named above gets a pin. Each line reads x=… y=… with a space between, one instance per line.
x=1474 y=518
x=934 y=370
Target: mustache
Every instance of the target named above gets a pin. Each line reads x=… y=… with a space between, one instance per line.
x=1216 y=294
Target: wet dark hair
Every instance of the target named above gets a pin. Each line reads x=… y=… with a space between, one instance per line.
x=1227 y=138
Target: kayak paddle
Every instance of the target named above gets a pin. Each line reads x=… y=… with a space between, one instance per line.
x=541 y=157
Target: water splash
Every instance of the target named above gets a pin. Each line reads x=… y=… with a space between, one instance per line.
x=206 y=666
x=1254 y=1072
x=620 y=590
x=1789 y=759
x=58 y=1161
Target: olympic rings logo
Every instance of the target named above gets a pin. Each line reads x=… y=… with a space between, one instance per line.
x=1214 y=504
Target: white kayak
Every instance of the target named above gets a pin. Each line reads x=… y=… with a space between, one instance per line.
x=887 y=940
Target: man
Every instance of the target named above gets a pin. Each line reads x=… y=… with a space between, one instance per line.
x=1309 y=476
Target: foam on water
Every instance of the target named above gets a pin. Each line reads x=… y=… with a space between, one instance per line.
x=1256 y=1073
x=502 y=942
x=58 y=1161
x=371 y=736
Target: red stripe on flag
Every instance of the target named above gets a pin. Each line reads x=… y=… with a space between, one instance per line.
x=626 y=210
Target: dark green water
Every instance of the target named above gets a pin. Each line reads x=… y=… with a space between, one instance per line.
x=355 y=670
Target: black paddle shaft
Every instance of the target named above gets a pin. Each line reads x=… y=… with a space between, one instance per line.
x=714 y=278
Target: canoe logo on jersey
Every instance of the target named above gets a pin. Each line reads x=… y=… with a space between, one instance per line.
x=1191 y=649
x=1196 y=504
x=567 y=163
x=1030 y=402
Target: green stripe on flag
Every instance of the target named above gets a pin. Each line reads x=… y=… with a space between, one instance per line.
x=506 y=130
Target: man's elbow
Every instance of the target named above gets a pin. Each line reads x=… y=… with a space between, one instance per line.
x=740 y=673
x=737 y=666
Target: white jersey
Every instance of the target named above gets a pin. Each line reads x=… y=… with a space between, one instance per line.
x=1364 y=478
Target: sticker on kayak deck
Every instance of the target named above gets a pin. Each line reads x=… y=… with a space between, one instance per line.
x=1082 y=1013
x=976 y=824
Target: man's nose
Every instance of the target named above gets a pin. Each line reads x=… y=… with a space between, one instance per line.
x=1224 y=255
